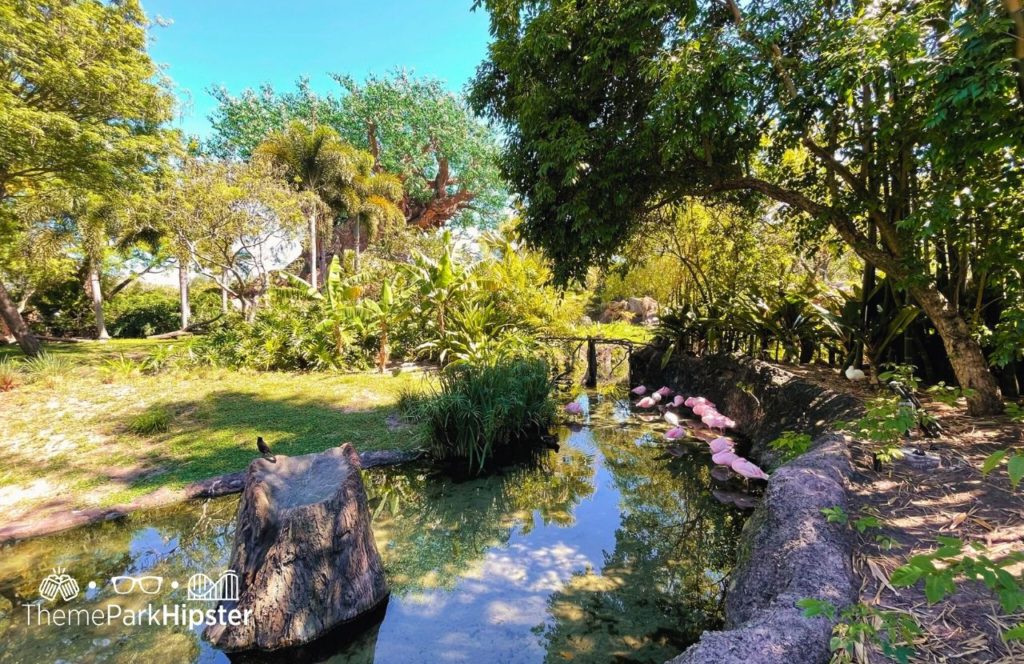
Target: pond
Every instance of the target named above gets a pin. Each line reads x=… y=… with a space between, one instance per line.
x=607 y=550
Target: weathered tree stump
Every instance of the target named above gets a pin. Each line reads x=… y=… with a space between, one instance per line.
x=304 y=552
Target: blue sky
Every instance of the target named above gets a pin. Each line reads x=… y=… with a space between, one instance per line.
x=241 y=44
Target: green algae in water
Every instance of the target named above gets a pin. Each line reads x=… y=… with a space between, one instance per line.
x=608 y=550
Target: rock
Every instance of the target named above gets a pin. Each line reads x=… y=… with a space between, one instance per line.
x=644 y=309
x=919 y=459
x=304 y=552
x=638 y=310
x=790 y=553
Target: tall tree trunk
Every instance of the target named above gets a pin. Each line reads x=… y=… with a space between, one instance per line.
x=965 y=354
x=96 y=293
x=357 y=242
x=224 y=293
x=312 y=251
x=183 y=278
x=16 y=324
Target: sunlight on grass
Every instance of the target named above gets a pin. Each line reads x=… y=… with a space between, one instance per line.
x=101 y=438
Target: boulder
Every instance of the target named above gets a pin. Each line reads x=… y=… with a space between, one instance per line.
x=304 y=553
x=638 y=310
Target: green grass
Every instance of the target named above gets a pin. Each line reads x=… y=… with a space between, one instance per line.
x=93 y=352
x=617 y=330
x=94 y=438
x=156 y=419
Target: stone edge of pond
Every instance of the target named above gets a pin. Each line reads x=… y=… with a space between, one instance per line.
x=213 y=487
x=787 y=551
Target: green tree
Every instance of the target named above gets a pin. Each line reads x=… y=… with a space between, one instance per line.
x=413 y=127
x=315 y=160
x=230 y=221
x=894 y=125
x=80 y=106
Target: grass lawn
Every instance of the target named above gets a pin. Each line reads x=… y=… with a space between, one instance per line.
x=74 y=439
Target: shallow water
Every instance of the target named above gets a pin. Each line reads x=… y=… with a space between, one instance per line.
x=609 y=550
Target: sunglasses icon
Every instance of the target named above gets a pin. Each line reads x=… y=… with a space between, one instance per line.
x=149 y=585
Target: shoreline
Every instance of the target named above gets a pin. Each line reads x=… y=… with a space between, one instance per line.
x=213 y=487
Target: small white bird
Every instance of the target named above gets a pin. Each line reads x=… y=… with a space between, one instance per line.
x=854 y=373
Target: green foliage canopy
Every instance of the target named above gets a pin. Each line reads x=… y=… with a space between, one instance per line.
x=896 y=125
x=413 y=127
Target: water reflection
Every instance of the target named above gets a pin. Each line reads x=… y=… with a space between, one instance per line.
x=606 y=550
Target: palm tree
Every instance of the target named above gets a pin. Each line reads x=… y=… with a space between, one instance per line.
x=371 y=203
x=316 y=160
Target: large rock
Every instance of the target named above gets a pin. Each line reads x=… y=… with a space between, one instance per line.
x=638 y=310
x=789 y=552
x=304 y=552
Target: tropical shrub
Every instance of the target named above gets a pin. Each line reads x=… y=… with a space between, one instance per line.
x=482 y=410
x=119 y=367
x=139 y=312
x=47 y=368
x=142 y=312
x=790 y=445
x=9 y=374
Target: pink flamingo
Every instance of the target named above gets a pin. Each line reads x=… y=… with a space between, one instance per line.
x=690 y=402
x=671 y=418
x=725 y=457
x=639 y=390
x=664 y=391
x=710 y=419
x=574 y=408
x=657 y=397
x=646 y=402
x=721 y=445
x=675 y=433
x=747 y=469
x=701 y=409
x=700 y=400
x=678 y=401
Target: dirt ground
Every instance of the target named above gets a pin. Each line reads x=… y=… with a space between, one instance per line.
x=918 y=501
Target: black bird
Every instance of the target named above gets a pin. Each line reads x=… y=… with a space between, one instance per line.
x=264 y=449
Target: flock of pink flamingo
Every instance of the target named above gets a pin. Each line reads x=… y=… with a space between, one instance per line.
x=723 y=449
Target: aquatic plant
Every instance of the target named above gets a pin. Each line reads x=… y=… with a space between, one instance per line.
x=481 y=409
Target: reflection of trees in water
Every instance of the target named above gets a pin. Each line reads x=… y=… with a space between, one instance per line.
x=430 y=529
x=661 y=586
x=173 y=543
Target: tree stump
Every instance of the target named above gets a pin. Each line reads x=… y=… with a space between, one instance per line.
x=304 y=552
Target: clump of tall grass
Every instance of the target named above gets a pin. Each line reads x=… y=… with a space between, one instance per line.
x=155 y=419
x=484 y=409
x=120 y=367
x=10 y=376
x=48 y=368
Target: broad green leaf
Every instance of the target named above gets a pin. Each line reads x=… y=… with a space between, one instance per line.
x=992 y=461
x=1015 y=468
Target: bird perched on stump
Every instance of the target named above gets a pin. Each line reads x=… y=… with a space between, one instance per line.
x=264 y=449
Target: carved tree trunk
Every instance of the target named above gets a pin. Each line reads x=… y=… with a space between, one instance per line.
x=304 y=552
